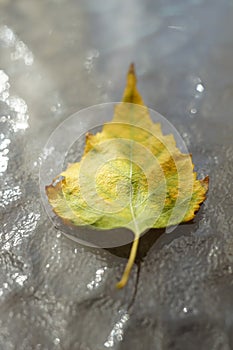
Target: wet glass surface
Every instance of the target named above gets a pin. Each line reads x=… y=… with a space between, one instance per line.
x=57 y=57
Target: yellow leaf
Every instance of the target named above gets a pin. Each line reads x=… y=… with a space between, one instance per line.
x=131 y=175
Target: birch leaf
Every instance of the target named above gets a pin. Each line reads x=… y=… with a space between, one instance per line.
x=131 y=175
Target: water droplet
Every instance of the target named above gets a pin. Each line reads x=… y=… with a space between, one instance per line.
x=89 y=62
x=200 y=87
x=22 y=52
x=117 y=331
x=20 y=279
x=56 y=107
x=3 y=163
x=3 y=119
x=31 y=289
x=56 y=341
x=98 y=278
x=193 y=111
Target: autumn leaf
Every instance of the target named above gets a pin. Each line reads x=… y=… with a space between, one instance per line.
x=130 y=175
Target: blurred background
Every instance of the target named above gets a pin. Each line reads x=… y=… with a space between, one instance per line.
x=57 y=57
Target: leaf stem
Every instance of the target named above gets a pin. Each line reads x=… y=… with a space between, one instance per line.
x=133 y=253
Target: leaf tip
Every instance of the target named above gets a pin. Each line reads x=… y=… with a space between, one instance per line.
x=48 y=189
x=88 y=144
x=205 y=183
x=131 y=94
x=131 y=68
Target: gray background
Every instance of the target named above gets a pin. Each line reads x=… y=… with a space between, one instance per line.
x=57 y=57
